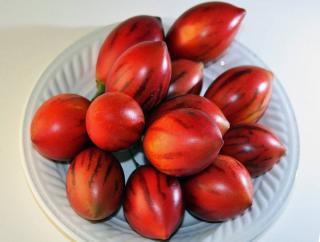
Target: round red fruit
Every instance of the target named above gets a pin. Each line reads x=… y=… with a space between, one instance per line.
x=114 y=121
x=95 y=184
x=58 y=129
x=220 y=192
x=182 y=142
x=153 y=203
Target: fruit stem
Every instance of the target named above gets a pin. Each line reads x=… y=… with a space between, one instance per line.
x=100 y=89
x=133 y=158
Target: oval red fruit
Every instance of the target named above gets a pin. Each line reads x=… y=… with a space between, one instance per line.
x=95 y=184
x=186 y=78
x=142 y=72
x=128 y=33
x=192 y=101
x=114 y=121
x=255 y=146
x=182 y=142
x=203 y=32
x=242 y=93
x=58 y=129
x=153 y=203
x=220 y=192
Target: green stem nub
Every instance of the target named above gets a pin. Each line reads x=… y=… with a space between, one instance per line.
x=100 y=89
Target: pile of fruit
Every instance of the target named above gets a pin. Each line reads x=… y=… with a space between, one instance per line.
x=202 y=151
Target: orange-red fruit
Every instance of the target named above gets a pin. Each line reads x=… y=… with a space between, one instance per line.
x=203 y=32
x=242 y=93
x=186 y=78
x=255 y=146
x=128 y=33
x=58 y=129
x=182 y=142
x=95 y=184
x=192 y=101
x=220 y=192
x=153 y=203
x=114 y=121
x=142 y=72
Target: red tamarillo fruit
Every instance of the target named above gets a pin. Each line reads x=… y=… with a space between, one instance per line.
x=203 y=32
x=242 y=93
x=153 y=203
x=114 y=121
x=182 y=142
x=95 y=184
x=128 y=33
x=255 y=146
x=58 y=128
x=142 y=72
x=192 y=101
x=220 y=192
x=186 y=78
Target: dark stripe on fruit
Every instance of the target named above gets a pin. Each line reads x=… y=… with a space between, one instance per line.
x=95 y=172
x=233 y=77
x=132 y=28
x=90 y=158
x=144 y=187
x=113 y=40
x=142 y=86
x=178 y=76
x=159 y=187
x=182 y=123
x=108 y=172
x=73 y=173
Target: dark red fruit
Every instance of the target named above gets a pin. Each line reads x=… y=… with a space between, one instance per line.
x=128 y=33
x=203 y=32
x=182 y=142
x=196 y=102
x=114 y=121
x=95 y=184
x=255 y=146
x=142 y=72
x=186 y=78
x=220 y=192
x=58 y=129
x=242 y=93
x=153 y=203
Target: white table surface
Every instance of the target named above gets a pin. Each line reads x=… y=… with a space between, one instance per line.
x=285 y=34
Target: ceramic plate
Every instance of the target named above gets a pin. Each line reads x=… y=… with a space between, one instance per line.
x=74 y=71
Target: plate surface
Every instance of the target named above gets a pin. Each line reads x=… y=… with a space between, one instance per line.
x=74 y=71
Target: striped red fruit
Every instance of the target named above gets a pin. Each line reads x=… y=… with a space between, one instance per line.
x=142 y=72
x=114 y=121
x=186 y=78
x=58 y=129
x=255 y=146
x=182 y=142
x=128 y=33
x=242 y=93
x=220 y=192
x=95 y=184
x=192 y=101
x=203 y=32
x=153 y=203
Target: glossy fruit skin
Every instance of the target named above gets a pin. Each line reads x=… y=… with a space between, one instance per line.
x=192 y=101
x=114 y=121
x=203 y=32
x=255 y=146
x=242 y=93
x=220 y=192
x=186 y=78
x=182 y=142
x=128 y=33
x=153 y=204
x=142 y=75
x=95 y=184
x=58 y=129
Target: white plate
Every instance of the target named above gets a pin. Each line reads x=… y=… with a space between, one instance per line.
x=74 y=71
